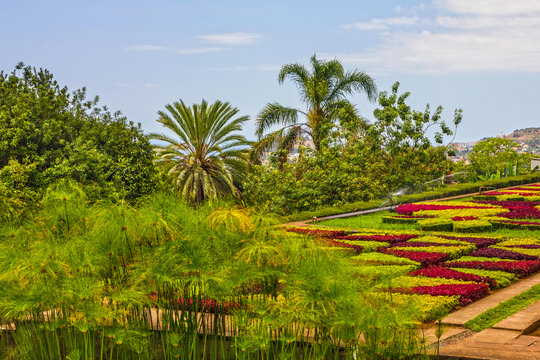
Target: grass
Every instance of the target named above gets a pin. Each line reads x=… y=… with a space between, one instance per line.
x=503 y=310
x=370 y=221
x=374 y=221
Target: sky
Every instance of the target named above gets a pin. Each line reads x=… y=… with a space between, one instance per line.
x=482 y=56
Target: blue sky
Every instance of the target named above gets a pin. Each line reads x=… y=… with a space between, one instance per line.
x=482 y=56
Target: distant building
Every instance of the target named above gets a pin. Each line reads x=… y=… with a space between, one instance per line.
x=535 y=162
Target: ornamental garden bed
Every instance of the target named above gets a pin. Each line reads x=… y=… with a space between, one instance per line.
x=515 y=208
x=441 y=270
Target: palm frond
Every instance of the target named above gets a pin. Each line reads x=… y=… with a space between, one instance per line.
x=275 y=114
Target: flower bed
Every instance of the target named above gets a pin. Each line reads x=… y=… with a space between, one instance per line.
x=480 y=242
x=502 y=278
x=424 y=258
x=382 y=259
x=317 y=232
x=446 y=273
x=382 y=238
x=467 y=292
x=502 y=254
x=520 y=268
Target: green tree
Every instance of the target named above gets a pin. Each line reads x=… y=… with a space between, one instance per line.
x=56 y=135
x=208 y=157
x=401 y=138
x=495 y=155
x=324 y=91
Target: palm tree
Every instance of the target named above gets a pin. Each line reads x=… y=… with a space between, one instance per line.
x=208 y=157
x=323 y=91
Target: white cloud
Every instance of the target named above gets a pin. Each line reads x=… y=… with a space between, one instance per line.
x=238 y=38
x=480 y=35
x=490 y=7
x=382 y=24
x=259 y=67
x=150 y=85
x=202 y=50
x=144 y=48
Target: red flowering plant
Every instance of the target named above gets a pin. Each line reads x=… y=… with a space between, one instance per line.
x=502 y=254
x=446 y=273
x=334 y=243
x=523 y=212
x=424 y=258
x=520 y=268
x=317 y=232
x=409 y=209
x=480 y=242
x=418 y=244
x=201 y=305
x=380 y=238
x=467 y=292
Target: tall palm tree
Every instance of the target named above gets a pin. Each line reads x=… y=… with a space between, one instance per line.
x=207 y=158
x=324 y=92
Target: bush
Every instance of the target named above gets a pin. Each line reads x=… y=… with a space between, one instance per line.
x=472 y=226
x=435 y=225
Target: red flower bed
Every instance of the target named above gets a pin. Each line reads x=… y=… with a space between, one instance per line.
x=523 y=212
x=409 y=209
x=418 y=244
x=502 y=254
x=464 y=218
x=204 y=305
x=526 y=246
x=441 y=272
x=478 y=241
x=520 y=268
x=334 y=243
x=495 y=193
x=424 y=258
x=467 y=292
x=509 y=204
x=383 y=238
x=318 y=232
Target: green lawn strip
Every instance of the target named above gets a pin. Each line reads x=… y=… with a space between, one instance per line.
x=503 y=310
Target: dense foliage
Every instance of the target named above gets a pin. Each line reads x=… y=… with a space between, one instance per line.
x=208 y=157
x=323 y=91
x=165 y=281
x=353 y=165
x=47 y=134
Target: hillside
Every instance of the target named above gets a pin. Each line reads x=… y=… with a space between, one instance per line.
x=529 y=138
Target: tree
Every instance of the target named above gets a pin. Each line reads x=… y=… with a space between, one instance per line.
x=54 y=135
x=324 y=92
x=495 y=155
x=400 y=136
x=207 y=159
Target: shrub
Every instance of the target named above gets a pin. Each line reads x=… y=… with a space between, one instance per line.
x=502 y=278
x=472 y=226
x=520 y=268
x=424 y=258
x=446 y=273
x=435 y=225
x=502 y=254
x=467 y=292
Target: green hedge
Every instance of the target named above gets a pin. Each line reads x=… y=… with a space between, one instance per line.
x=472 y=226
x=452 y=190
x=399 y=220
x=435 y=225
